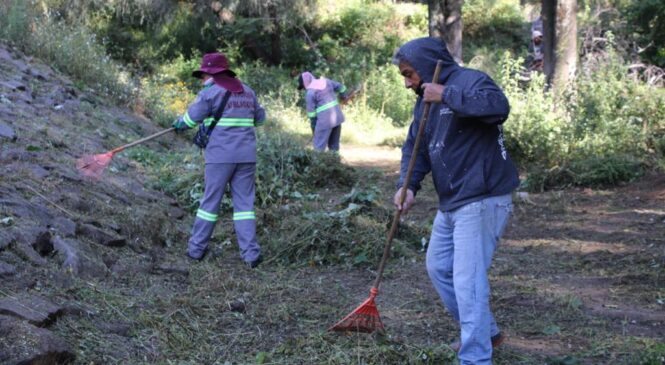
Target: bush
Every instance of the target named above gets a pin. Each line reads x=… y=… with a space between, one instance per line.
x=647 y=19
x=285 y=171
x=604 y=129
x=488 y=24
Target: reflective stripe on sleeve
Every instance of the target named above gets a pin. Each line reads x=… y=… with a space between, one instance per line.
x=188 y=120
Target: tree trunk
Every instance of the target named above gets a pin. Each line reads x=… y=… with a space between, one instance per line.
x=275 y=36
x=445 y=21
x=560 y=41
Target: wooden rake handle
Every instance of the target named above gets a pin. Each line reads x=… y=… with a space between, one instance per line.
x=407 y=180
x=144 y=139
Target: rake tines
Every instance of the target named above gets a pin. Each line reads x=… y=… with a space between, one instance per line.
x=93 y=166
x=364 y=319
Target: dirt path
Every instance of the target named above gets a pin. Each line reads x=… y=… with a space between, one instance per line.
x=580 y=271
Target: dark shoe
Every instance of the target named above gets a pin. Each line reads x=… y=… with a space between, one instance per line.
x=255 y=263
x=200 y=257
x=497 y=340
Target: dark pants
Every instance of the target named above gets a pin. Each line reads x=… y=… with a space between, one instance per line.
x=327 y=138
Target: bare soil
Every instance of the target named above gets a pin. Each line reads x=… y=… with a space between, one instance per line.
x=572 y=264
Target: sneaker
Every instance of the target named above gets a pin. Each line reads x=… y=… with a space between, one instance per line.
x=497 y=340
x=255 y=263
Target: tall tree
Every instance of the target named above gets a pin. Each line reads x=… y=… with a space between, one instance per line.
x=265 y=17
x=560 y=41
x=445 y=21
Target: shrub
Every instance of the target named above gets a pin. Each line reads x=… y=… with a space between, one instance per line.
x=604 y=129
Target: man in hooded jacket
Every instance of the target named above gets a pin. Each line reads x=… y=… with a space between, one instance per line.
x=463 y=148
x=230 y=155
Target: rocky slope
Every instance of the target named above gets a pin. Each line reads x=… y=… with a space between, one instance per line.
x=56 y=226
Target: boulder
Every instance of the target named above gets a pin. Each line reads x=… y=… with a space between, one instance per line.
x=6 y=269
x=63 y=226
x=22 y=343
x=77 y=260
x=7 y=132
x=101 y=236
x=36 y=310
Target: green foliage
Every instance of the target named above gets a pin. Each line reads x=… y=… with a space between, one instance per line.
x=647 y=19
x=146 y=34
x=488 y=24
x=285 y=167
x=285 y=171
x=606 y=128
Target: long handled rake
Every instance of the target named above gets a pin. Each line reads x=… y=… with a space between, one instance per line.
x=365 y=318
x=93 y=166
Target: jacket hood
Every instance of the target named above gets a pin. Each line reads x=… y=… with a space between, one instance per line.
x=422 y=54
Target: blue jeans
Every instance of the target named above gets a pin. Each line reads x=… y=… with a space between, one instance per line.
x=458 y=257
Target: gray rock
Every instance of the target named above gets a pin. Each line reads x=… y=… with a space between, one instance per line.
x=63 y=226
x=26 y=210
x=38 y=172
x=26 y=252
x=39 y=75
x=22 y=343
x=7 y=132
x=78 y=260
x=6 y=269
x=175 y=212
x=100 y=235
x=36 y=310
x=13 y=85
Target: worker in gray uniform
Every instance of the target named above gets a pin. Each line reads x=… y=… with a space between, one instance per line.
x=323 y=110
x=230 y=155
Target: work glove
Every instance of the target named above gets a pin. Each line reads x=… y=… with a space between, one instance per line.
x=179 y=125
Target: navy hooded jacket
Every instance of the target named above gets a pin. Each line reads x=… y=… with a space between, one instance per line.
x=463 y=145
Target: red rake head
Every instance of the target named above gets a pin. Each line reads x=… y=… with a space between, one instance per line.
x=363 y=319
x=93 y=166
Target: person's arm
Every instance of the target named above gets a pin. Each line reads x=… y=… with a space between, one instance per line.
x=196 y=113
x=311 y=106
x=482 y=100
x=341 y=90
x=259 y=113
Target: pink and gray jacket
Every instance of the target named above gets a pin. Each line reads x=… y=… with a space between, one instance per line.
x=322 y=101
x=234 y=139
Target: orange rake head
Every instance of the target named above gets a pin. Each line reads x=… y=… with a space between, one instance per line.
x=93 y=166
x=363 y=319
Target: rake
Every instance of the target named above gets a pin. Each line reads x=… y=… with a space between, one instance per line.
x=93 y=166
x=365 y=318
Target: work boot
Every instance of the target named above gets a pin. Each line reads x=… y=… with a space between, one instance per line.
x=255 y=263
x=497 y=340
